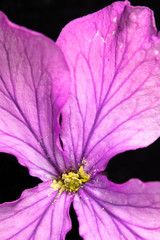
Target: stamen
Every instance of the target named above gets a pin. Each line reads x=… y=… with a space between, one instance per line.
x=71 y=181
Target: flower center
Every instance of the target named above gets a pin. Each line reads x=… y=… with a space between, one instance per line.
x=71 y=181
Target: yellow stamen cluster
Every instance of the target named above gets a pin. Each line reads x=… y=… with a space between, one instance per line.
x=71 y=181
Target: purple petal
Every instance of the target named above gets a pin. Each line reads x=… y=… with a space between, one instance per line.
x=130 y=211
x=34 y=85
x=113 y=56
x=36 y=216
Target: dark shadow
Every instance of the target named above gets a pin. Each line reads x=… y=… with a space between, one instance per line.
x=143 y=164
x=73 y=234
x=14 y=178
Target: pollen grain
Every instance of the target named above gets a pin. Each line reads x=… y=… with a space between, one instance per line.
x=71 y=181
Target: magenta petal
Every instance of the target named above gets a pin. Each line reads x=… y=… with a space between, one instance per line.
x=36 y=216
x=114 y=57
x=130 y=211
x=32 y=73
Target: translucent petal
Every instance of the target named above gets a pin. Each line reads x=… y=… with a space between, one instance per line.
x=129 y=211
x=34 y=85
x=114 y=57
x=36 y=216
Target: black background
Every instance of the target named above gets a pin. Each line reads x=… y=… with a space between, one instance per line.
x=48 y=17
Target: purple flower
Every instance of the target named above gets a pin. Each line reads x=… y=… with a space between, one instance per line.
x=66 y=108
